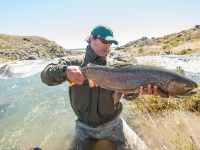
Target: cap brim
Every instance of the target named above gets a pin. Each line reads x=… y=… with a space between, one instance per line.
x=110 y=39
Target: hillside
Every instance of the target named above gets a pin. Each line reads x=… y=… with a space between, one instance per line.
x=14 y=47
x=184 y=42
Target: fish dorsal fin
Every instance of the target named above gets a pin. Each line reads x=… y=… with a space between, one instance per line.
x=92 y=83
x=121 y=64
x=118 y=66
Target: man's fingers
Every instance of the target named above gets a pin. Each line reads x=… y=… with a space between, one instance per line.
x=155 y=90
x=149 y=89
x=117 y=96
x=78 y=82
x=80 y=74
x=141 y=90
x=80 y=78
x=75 y=75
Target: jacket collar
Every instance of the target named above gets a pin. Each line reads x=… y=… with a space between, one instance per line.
x=92 y=57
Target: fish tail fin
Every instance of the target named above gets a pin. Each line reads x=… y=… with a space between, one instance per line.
x=92 y=83
x=71 y=84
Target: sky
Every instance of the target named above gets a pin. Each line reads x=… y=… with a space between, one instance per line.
x=69 y=22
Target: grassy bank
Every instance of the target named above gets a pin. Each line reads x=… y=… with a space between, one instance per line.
x=166 y=123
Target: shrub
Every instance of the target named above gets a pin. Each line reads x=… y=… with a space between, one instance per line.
x=140 y=50
x=165 y=46
x=196 y=37
x=179 y=70
x=186 y=52
x=5 y=47
x=26 y=39
x=174 y=42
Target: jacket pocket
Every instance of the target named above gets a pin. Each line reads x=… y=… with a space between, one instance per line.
x=80 y=96
x=105 y=102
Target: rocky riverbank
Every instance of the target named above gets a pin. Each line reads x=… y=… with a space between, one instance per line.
x=30 y=48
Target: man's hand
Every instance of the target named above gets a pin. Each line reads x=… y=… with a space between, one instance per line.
x=150 y=90
x=75 y=75
x=117 y=96
x=153 y=91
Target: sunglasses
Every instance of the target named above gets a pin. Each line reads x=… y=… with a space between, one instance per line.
x=104 y=41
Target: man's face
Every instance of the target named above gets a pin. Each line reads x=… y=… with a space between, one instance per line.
x=100 y=46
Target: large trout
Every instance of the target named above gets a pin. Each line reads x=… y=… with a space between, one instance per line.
x=128 y=78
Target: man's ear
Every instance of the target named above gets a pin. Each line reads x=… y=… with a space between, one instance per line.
x=91 y=38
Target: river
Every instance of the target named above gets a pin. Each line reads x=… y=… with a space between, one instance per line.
x=33 y=114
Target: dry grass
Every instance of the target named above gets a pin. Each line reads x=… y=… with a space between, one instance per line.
x=172 y=123
x=193 y=45
x=2 y=59
x=174 y=131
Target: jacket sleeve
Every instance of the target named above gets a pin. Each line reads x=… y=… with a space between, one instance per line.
x=55 y=73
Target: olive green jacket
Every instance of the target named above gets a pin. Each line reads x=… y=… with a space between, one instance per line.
x=94 y=106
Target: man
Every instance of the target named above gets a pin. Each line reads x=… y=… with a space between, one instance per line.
x=97 y=109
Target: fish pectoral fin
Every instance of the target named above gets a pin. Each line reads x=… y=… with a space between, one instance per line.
x=92 y=83
x=71 y=84
x=163 y=94
x=130 y=96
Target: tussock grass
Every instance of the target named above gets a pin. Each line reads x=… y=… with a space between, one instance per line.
x=186 y=52
x=171 y=123
x=2 y=47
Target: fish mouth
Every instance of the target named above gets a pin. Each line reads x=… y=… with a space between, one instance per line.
x=188 y=94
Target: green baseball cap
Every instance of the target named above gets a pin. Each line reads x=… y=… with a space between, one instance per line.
x=105 y=33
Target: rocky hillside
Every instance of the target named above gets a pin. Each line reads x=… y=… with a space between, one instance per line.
x=29 y=48
x=184 y=42
x=33 y=47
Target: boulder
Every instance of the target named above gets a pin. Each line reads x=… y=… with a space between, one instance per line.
x=197 y=26
x=122 y=57
x=6 y=71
